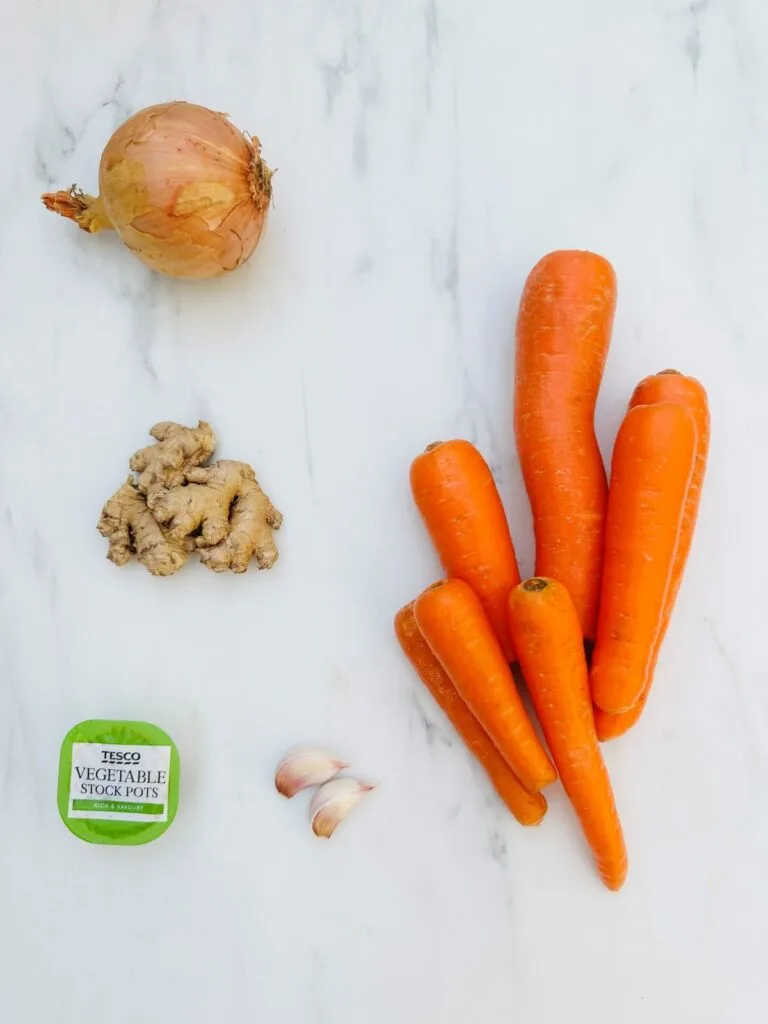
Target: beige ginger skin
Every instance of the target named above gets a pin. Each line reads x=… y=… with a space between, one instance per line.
x=177 y=505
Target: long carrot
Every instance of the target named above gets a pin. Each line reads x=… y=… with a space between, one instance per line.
x=563 y=332
x=453 y=623
x=668 y=386
x=547 y=635
x=528 y=808
x=651 y=471
x=456 y=494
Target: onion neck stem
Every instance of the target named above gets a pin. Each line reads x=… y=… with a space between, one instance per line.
x=88 y=212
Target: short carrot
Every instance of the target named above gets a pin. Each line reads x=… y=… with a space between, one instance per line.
x=563 y=332
x=455 y=492
x=547 y=635
x=651 y=471
x=452 y=621
x=528 y=808
x=668 y=386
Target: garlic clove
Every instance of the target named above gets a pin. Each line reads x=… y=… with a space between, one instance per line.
x=306 y=767
x=332 y=802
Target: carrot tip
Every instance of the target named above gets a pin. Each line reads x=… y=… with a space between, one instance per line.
x=434 y=586
x=535 y=584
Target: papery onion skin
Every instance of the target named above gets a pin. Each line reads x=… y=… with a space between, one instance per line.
x=183 y=188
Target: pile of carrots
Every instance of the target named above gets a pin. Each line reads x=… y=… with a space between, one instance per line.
x=610 y=555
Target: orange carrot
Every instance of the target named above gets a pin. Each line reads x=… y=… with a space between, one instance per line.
x=528 y=808
x=453 y=623
x=455 y=492
x=563 y=332
x=651 y=471
x=547 y=636
x=668 y=386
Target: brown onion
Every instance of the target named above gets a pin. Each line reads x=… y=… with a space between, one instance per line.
x=183 y=188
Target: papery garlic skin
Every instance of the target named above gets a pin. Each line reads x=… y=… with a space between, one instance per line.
x=309 y=766
x=332 y=802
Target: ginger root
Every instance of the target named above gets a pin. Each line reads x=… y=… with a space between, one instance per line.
x=131 y=529
x=166 y=464
x=178 y=505
x=252 y=521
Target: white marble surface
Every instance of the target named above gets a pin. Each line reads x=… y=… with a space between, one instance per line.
x=428 y=154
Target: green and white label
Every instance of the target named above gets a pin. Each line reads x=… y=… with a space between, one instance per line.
x=119 y=782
